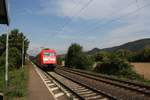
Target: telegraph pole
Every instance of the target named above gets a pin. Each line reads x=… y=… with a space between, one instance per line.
x=22 y=52
x=6 y=64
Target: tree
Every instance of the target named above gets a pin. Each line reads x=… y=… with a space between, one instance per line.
x=73 y=53
x=16 y=39
x=75 y=58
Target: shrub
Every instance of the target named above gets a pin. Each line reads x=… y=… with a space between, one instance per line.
x=116 y=66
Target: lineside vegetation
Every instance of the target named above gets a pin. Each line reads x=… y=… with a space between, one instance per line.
x=111 y=63
x=76 y=58
x=17 y=75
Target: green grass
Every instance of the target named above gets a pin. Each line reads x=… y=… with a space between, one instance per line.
x=17 y=84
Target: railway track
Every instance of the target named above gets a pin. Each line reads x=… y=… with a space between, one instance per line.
x=73 y=90
x=80 y=91
x=106 y=87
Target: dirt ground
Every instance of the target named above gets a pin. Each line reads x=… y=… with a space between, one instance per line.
x=143 y=69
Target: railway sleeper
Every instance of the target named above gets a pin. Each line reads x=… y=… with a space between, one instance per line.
x=97 y=97
x=80 y=88
x=83 y=90
x=86 y=92
x=89 y=95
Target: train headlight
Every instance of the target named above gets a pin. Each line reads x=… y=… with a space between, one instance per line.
x=45 y=59
x=52 y=59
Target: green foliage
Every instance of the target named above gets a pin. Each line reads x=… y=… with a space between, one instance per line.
x=76 y=58
x=73 y=53
x=102 y=55
x=15 y=52
x=14 y=58
x=2 y=68
x=60 y=60
x=2 y=61
x=15 y=48
x=145 y=54
x=124 y=54
x=142 y=56
x=15 y=40
x=17 y=83
x=116 y=66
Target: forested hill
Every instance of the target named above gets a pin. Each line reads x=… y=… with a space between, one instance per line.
x=137 y=45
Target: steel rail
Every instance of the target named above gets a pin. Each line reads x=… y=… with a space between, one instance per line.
x=91 y=88
x=123 y=84
x=116 y=81
x=81 y=98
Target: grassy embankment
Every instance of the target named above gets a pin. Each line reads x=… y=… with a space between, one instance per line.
x=17 y=84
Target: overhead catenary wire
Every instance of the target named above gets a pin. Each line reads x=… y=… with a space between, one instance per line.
x=77 y=14
x=104 y=18
x=118 y=18
x=69 y=21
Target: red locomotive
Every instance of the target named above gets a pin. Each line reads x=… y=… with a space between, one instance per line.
x=46 y=59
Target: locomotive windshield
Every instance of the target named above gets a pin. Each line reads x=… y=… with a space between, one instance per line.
x=49 y=54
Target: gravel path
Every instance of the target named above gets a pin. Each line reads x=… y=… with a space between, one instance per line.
x=36 y=88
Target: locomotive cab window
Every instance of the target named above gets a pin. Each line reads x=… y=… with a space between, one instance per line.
x=49 y=54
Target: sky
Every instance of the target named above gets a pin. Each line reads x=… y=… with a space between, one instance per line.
x=57 y=24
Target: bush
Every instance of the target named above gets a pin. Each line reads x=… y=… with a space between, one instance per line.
x=84 y=62
x=116 y=66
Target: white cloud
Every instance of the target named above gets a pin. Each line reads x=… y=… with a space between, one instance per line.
x=135 y=26
x=98 y=9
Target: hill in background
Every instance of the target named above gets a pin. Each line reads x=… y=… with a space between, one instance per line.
x=136 y=46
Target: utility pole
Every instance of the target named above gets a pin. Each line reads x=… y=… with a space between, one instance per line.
x=6 y=64
x=22 y=52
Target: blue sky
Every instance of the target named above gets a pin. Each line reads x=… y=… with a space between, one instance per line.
x=58 y=23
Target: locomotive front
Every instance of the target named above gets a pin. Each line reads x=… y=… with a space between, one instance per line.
x=48 y=58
